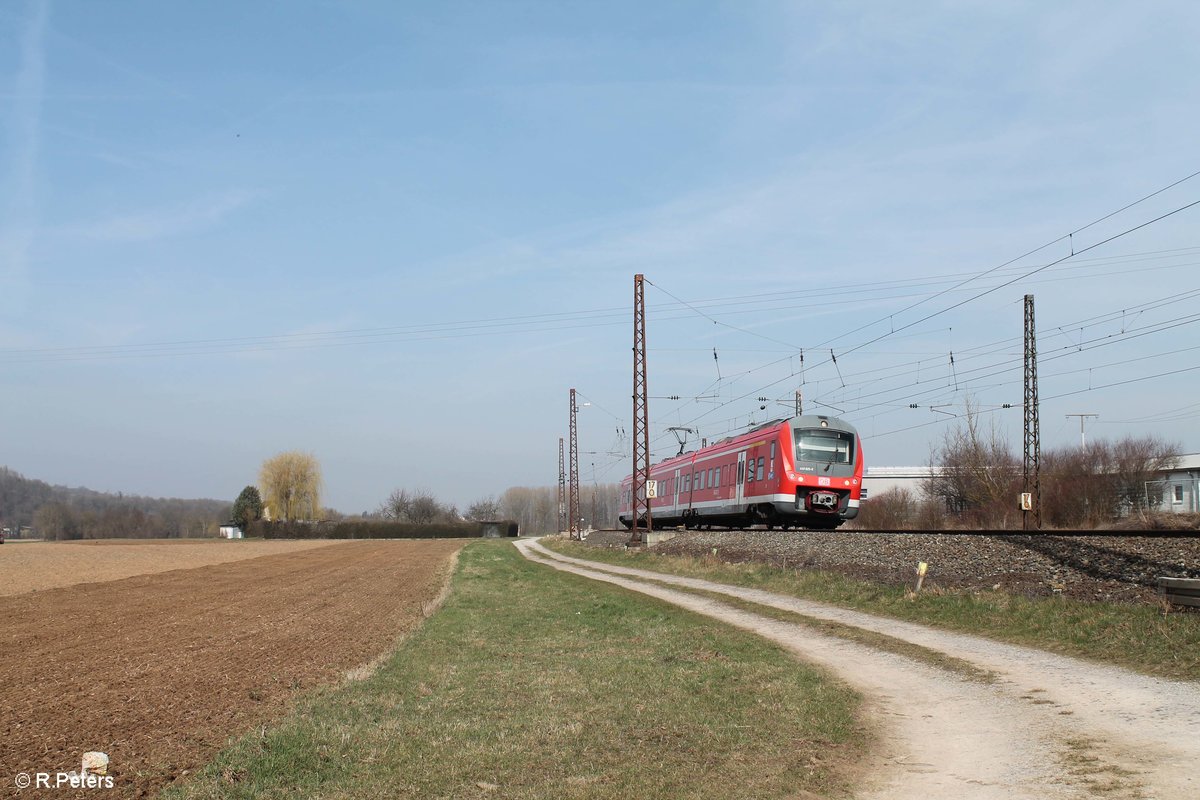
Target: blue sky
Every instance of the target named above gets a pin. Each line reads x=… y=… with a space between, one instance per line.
x=396 y=234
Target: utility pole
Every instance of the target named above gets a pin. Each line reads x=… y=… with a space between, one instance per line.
x=1082 y=437
x=640 y=501
x=1033 y=436
x=562 y=488
x=573 y=504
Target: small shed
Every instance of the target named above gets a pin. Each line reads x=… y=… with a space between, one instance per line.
x=231 y=531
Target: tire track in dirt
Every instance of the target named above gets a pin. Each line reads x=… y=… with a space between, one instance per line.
x=1051 y=727
x=159 y=670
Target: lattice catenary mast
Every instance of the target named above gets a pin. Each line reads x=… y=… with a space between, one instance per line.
x=640 y=501
x=562 y=488
x=1033 y=442
x=573 y=505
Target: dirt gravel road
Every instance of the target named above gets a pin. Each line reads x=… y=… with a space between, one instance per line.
x=1047 y=727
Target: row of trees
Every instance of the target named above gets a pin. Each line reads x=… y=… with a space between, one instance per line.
x=977 y=479
x=130 y=518
x=534 y=509
x=289 y=488
x=60 y=512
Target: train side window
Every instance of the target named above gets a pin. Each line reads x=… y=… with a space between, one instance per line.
x=741 y=476
x=760 y=468
x=717 y=477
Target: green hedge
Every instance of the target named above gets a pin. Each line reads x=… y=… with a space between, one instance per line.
x=377 y=530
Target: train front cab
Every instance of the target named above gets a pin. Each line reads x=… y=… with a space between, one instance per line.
x=828 y=468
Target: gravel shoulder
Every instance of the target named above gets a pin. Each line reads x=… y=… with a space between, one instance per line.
x=1048 y=727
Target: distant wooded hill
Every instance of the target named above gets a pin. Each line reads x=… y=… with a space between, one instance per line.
x=62 y=512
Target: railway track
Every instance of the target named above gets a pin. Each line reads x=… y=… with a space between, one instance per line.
x=1096 y=534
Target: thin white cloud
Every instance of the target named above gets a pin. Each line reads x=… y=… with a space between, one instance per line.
x=146 y=226
x=19 y=229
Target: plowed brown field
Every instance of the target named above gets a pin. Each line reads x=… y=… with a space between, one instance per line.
x=159 y=670
x=34 y=566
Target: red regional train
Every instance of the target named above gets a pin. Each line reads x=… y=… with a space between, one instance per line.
x=800 y=472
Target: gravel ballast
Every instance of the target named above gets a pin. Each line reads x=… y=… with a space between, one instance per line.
x=1088 y=568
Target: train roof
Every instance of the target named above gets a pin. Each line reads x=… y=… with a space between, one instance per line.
x=802 y=421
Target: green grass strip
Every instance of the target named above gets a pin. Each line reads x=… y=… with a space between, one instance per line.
x=1139 y=637
x=530 y=683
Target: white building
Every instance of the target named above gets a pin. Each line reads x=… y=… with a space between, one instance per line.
x=231 y=531
x=1179 y=486
x=1177 y=489
x=877 y=480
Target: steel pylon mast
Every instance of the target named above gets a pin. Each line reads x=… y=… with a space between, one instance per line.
x=562 y=488
x=573 y=504
x=1033 y=442
x=640 y=502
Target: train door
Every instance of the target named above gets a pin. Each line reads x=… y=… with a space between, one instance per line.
x=675 y=492
x=740 y=483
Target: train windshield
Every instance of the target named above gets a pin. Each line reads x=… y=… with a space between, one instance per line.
x=825 y=446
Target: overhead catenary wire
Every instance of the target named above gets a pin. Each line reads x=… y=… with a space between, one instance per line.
x=978 y=295
x=515 y=325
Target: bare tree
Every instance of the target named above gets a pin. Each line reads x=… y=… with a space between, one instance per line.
x=535 y=509
x=485 y=508
x=1084 y=487
x=419 y=506
x=976 y=474
x=397 y=505
x=55 y=521
x=1135 y=463
x=424 y=508
x=896 y=508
